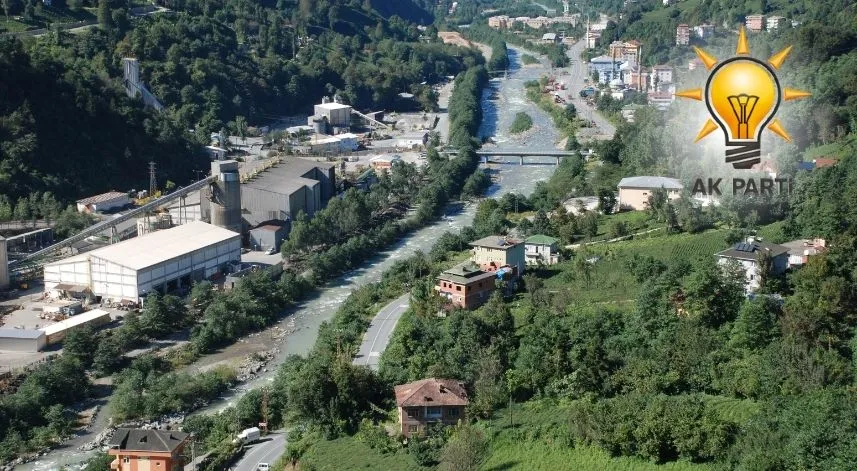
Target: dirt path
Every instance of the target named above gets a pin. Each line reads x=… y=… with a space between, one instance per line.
x=617 y=239
x=454 y=37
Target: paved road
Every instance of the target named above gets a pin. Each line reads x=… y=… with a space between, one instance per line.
x=378 y=334
x=577 y=73
x=267 y=451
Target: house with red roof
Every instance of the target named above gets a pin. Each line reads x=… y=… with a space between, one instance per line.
x=429 y=401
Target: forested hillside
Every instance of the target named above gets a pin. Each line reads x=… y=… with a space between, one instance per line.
x=65 y=126
x=65 y=122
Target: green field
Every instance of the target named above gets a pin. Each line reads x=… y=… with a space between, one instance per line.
x=347 y=453
x=611 y=282
x=536 y=442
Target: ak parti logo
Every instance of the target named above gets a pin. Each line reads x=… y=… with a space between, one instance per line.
x=743 y=95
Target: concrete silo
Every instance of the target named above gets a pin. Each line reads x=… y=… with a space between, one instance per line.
x=225 y=195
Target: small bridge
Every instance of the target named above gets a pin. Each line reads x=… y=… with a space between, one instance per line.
x=486 y=155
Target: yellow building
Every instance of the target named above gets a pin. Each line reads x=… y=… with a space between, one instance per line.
x=495 y=251
x=634 y=192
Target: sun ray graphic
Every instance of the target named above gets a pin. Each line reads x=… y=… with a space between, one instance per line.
x=743 y=48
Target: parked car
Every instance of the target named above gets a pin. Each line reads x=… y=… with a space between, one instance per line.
x=263 y=467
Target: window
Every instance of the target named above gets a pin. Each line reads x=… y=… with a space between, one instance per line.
x=412 y=412
x=126 y=460
x=453 y=412
x=412 y=429
x=458 y=288
x=433 y=411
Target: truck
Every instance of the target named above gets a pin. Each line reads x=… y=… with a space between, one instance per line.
x=248 y=435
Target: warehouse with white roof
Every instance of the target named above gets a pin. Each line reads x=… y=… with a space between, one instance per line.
x=164 y=260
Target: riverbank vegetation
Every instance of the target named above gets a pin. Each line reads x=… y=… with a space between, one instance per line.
x=522 y=122
x=499 y=56
x=527 y=59
x=480 y=32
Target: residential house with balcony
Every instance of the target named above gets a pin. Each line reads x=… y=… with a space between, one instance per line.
x=754 y=23
x=429 y=401
x=495 y=252
x=747 y=255
x=541 y=249
x=147 y=450
x=465 y=285
x=775 y=22
x=704 y=31
x=682 y=35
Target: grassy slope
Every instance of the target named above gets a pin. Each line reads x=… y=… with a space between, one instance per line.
x=347 y=453
x=611 y=282
x=535 y=444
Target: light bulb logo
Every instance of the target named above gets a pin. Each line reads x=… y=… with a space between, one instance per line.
x=742 y=95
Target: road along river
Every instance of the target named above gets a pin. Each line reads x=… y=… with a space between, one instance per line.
x=500 y=101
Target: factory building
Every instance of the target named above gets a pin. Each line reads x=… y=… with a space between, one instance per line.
x=55 y=333
x=22 y=340
x=220 y=203
x=164 y=261
x=269 y=236
x=281 y=192
x=103 y=202
x=330 y=117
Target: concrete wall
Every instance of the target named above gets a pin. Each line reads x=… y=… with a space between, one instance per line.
x=72 y=271
x=16 y=344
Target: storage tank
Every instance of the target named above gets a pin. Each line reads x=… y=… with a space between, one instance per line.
x=226 y=195
x=4 y=265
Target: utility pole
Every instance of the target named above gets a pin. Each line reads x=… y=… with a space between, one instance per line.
x=153 y=182
x=264 y=424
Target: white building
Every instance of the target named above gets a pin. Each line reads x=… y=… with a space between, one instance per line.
x=747 y=254
x=163 y=260
x=774 y=22
x=103 y=202
x=541 y=249
x=661 y=74
x=704 y=31
x=412 y=140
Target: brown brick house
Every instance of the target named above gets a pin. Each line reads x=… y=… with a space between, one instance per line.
x=429 y=401
x=465 y=285
x=147 y=450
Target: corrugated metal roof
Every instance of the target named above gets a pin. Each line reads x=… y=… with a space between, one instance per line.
x=110 y=195
x=74 y=321
x=160 y=246
x=651 y=182
x=31 y=334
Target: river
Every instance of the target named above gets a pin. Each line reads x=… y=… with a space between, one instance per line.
x=500 y=101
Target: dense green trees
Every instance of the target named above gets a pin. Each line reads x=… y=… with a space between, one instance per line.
x=34 y=416
x=62 y=127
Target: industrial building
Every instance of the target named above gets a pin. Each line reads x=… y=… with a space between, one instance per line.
x=330 y=117
x=269 y=236
x=220 y=203
x=164 y=261
x=22 y=340
x=281 y=192
x=103 y=202
x=55 y=333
